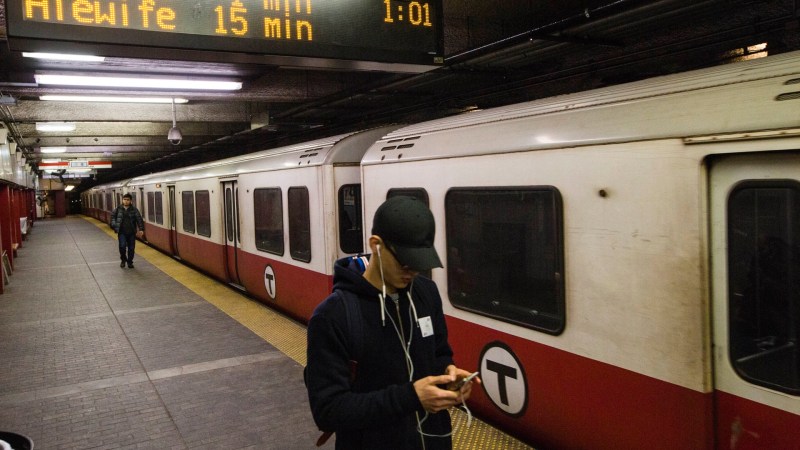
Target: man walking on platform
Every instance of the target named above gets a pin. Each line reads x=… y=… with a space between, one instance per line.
x=127 y=221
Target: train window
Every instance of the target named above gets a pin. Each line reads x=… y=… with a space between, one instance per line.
x=159 y=207
x=229 y=214
x=299 y=224
x=238 y=228
x=268 y=220
x=418 y=193
x=119 y=198
x=351 y=238
x=109 y=202
x=764 y=283
x=187 y=206
x=133 y=198
x=505 y=256
x=203 y=210
x=151 y=217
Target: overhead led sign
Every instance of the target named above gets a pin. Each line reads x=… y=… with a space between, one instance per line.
x=313 y=32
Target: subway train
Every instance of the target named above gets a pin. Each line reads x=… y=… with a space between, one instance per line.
x=622 y=265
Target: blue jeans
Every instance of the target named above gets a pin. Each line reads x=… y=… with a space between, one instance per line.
x=127 y=242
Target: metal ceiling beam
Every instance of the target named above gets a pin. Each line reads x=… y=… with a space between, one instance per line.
x=100 y=129
x=38 y=111
x=76 y=143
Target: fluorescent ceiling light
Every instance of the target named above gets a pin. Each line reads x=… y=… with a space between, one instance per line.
x=64 y=57
x=109 y=99
x=69 y=187
x=137 y=82
x=53 y=149
x=55 y=126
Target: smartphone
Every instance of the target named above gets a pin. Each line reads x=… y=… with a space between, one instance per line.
x=458 y=384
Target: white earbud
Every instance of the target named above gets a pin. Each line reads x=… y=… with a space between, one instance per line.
x=382 y=295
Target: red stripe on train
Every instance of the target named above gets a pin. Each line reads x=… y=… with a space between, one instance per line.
x=575 y=402
x=298 y=290
x=754 y=426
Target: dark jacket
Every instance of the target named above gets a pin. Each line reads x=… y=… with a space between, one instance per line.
x=378 y=410
x=127 y=221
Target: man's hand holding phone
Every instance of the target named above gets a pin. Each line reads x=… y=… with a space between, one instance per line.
x=461 y=382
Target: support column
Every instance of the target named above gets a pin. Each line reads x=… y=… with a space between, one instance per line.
x=60 y=203
x=6 y=236
x=16 y=213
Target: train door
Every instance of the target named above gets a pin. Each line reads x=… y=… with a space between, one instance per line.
x=351 y=236
x=233 y=245
x=755 y=263
x=140 y=199
x=172 y=226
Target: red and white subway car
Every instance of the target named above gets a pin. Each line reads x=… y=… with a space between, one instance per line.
x=622 y=265
x=267 y=222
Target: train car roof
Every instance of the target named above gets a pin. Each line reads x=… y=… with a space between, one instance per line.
x=701 y=102
x=339 y=149
x=114 y=185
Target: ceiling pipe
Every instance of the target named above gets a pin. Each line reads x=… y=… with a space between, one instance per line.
x=536 y=33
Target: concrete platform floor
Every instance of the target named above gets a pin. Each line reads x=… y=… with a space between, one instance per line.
x=156 y=357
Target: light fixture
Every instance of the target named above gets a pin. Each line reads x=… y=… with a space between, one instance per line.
x=174 y=135
x=53 y=149
x=63 y=57
x=55 y=126
x=107 y=99
x=69 y=187
x=137 y=81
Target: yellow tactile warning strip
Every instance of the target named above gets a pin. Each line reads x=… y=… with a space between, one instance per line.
x=289 y=337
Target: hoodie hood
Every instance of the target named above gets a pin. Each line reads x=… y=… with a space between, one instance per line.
x=348 y=274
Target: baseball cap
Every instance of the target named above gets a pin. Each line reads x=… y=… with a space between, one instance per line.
x=407 y=227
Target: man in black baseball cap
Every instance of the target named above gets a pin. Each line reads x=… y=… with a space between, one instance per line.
x=407 y=228
x=378 y=358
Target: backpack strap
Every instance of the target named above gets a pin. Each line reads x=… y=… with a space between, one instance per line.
x=355 y=341
x=355 y=328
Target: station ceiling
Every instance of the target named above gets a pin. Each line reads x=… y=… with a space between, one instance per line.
x=496 y=53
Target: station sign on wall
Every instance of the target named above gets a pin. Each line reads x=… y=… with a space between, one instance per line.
x=75 y=164
x=398 y=35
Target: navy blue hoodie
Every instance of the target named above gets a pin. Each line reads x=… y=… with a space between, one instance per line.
x=379 y=409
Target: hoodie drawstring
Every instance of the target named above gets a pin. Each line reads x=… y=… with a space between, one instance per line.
x=411 y=302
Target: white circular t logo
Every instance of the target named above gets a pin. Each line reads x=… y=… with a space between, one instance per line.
x=504 y=379
x=269 y=281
